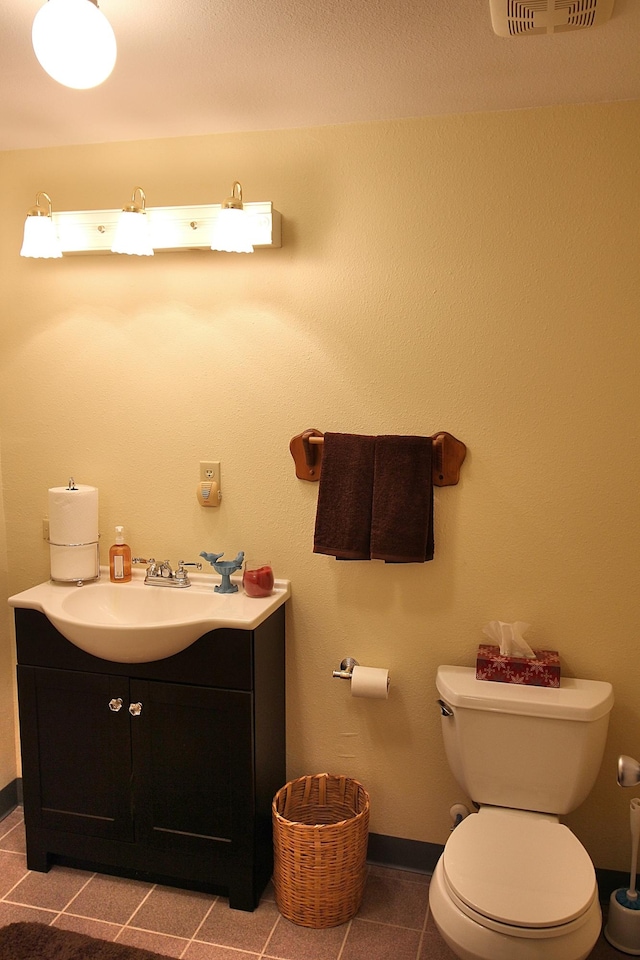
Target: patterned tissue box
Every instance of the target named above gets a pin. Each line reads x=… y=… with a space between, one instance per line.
x=541 y=671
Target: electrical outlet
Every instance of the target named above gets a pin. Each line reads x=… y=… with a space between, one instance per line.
x=210 y=470
x=45 y=528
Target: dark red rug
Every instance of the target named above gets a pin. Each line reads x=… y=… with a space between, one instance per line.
x=37 y=941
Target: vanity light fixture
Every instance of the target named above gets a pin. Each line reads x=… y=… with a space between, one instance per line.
x=133 y=235
x=40 y=238
x=74 y=42
x=170 y=228
x=231 y=232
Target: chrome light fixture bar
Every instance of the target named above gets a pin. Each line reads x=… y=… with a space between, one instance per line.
x=170 y=228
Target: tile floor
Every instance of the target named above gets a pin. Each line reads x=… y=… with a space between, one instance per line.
x=393 y=921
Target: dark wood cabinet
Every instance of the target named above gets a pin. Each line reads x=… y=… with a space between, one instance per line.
x=162 y=770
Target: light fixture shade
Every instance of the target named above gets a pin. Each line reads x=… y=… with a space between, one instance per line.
x=231 y=232
x=40 y=239
x=133 y=235
x=74 y=43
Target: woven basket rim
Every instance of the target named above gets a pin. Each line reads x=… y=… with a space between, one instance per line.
x=320 y=776
x=321 y=826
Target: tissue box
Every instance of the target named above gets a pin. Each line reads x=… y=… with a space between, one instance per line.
x=541 y=671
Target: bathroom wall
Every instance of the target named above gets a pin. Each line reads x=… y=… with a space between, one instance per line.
x=7 y=660
x=477 y=274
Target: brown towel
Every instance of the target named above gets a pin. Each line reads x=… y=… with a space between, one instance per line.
x=375 y=500
x=343 y=517
x=402 y=514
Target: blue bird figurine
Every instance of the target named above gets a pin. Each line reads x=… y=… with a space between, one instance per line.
x=225 y=568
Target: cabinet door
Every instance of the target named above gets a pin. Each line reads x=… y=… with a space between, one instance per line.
x=193 y=768
x=76 y=752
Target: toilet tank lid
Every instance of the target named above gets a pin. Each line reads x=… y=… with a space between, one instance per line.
x=574 y=699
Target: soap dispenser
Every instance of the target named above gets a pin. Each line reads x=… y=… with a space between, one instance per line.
x=120 y=559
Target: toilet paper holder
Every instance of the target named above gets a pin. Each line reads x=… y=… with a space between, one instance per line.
x=369 y=682
x=346 y=668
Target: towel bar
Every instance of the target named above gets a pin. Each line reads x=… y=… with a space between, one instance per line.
x=448 y=456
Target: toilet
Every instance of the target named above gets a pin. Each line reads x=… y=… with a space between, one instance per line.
x=513 y=883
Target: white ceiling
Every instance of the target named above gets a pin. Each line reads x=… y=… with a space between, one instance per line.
x=208 y=66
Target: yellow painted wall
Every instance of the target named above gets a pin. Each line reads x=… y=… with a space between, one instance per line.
x=7 y=661
x=477 y=274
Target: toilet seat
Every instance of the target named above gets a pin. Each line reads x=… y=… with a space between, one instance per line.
x=526 y=871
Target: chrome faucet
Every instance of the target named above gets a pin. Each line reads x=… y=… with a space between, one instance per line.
x=160 y=574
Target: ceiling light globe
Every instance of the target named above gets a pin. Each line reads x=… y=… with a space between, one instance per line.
x=74 y=43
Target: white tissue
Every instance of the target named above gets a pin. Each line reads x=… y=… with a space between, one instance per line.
x=508 y=636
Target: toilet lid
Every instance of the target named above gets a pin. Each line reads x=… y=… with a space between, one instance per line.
x=521 y=869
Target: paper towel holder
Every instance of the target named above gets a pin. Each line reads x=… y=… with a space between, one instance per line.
x=72 y=486
x=346 y=669
x=79 y=580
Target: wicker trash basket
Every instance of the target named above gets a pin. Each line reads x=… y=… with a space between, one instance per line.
x=320 y=833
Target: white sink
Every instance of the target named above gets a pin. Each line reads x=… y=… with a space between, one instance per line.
x=137 y=623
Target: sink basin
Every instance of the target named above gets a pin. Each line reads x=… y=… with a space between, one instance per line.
x=137 y=623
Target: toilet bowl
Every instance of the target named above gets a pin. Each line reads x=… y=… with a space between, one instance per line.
x=514 y=885
x=513 y=882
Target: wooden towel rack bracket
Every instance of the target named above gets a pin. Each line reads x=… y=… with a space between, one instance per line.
x=448 y=456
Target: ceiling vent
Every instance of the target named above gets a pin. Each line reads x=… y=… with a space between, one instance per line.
x=514 y=18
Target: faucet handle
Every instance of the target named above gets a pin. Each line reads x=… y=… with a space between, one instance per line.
x=181 y=574
x=152 y=568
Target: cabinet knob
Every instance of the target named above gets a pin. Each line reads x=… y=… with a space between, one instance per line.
x=135 y=709
x=115 y=704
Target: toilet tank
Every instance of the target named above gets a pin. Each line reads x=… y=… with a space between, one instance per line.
x=529 y=748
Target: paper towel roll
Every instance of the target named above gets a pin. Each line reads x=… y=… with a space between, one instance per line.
x=74 y=563
x=371 y=682
x=73 y=532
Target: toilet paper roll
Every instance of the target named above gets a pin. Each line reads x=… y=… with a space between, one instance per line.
x=73 y=532
x=371 y=682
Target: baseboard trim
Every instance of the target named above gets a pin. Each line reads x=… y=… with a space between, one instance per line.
x=421 y=857
x=10 y=797
x=415 y=855
x=610 y=880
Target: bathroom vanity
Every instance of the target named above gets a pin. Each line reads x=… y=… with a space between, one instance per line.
x=162 y=770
